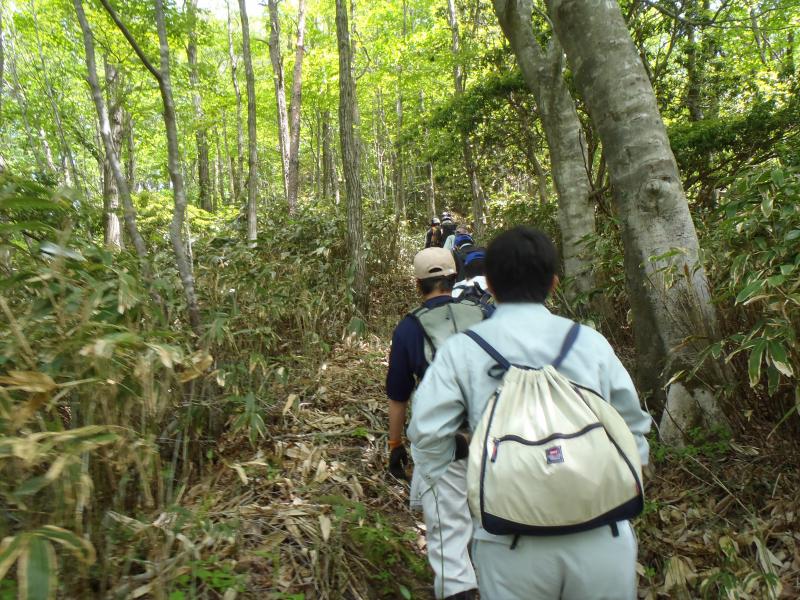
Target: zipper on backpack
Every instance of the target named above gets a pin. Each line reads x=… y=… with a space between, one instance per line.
x=494 y=450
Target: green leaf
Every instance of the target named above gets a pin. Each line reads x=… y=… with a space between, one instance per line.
x=777 y=177
x=787 y=269
x=779 y=359
x=10 y=549
x=80 y=547
x=766 y=205
x=776 y=280
x=749 y=290
x=754 y=363
x=36 y=570
x=404 y=591
x=792 y=235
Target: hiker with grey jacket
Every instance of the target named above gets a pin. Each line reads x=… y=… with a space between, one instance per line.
x=569 y=550
x=415 y=342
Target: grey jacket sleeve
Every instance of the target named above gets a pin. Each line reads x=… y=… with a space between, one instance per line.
x=622 y=395
x=437 y=411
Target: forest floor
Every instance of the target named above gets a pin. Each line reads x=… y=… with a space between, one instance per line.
x=310 y=513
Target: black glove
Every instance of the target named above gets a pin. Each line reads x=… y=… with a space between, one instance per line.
x=462 y=446
x=398 y=461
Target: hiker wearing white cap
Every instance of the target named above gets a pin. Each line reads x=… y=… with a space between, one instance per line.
x=415 y=341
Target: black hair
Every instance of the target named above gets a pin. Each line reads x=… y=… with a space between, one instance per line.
x=442 y=284
x=521 y=264
x=475 y=267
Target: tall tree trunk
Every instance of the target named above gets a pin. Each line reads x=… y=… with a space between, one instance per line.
x=351 y=160
x=542 y=72
x=430 y=185
x=380 y=130
x=399 y=186
x=203 y=172
x=469 y=159
x=672 y=321
x=330 y=182
x=220 y=169
x=280 y=92
x=111 y=156
x=162 y=76
x=294 y=109
x=232 y=185
x=252 y=148
x=2 y=58
x=112 y=234
x=237 y=174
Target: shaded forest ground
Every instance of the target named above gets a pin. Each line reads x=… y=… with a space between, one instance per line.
x=309 y=512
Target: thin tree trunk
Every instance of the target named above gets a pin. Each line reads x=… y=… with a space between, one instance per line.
x=237 y=174
x=252 y=148
x=205 y=198
x=16 y=90
x=329 y=182
x=469 y=159
x=232 y=185
x=162 y=76
x=111 y=230
x=49 y=92
x=280 y=92
x=111 y=156
x=294 y=109
x=430 y=185
x=672 y=320
x=220 y=169
x=350 y=160
x=542 y=73
x=2 y=58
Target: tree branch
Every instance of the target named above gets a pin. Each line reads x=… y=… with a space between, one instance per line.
x=124 y=30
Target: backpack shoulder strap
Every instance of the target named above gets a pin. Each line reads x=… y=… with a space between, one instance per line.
x=489 y=349
x=569 y=341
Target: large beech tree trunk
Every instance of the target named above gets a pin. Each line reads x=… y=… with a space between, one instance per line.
x=542 y=72
x=203 y=172
x=252 y=148
x=162 y=76
x=672 y=320
x=469 y=159
x=294 y=109
x=350 y=159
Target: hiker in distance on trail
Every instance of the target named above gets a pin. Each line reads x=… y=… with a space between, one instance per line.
x=415 y=342
x=433 y=237
x=555 y=459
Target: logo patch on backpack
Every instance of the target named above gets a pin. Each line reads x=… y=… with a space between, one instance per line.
x=554 y=455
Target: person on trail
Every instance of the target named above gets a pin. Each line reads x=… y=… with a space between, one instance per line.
x=596 y=562
x=433 y=238
x=448 y=230
x=415 y=342
x=463 y=244
x=474 y=283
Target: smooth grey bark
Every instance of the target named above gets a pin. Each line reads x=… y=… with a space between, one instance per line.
x=111 y=155
x=542 y=72
x=330 y=183
x=351 y=160
x=232 y=186
x=252 y=148
x=236 y=172
x=469 y=159
x=294 y=109
x=111 y=230
x=280 y=92
x=673 y=320
x=205 y=196
x=162 y=76
x=430 y=186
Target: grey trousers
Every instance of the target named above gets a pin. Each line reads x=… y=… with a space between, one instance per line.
x=591 y=565
x=448 y=527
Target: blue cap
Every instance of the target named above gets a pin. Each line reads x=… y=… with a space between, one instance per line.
x=461 y=239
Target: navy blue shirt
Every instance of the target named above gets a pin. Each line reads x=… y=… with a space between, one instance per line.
x=407 y=363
